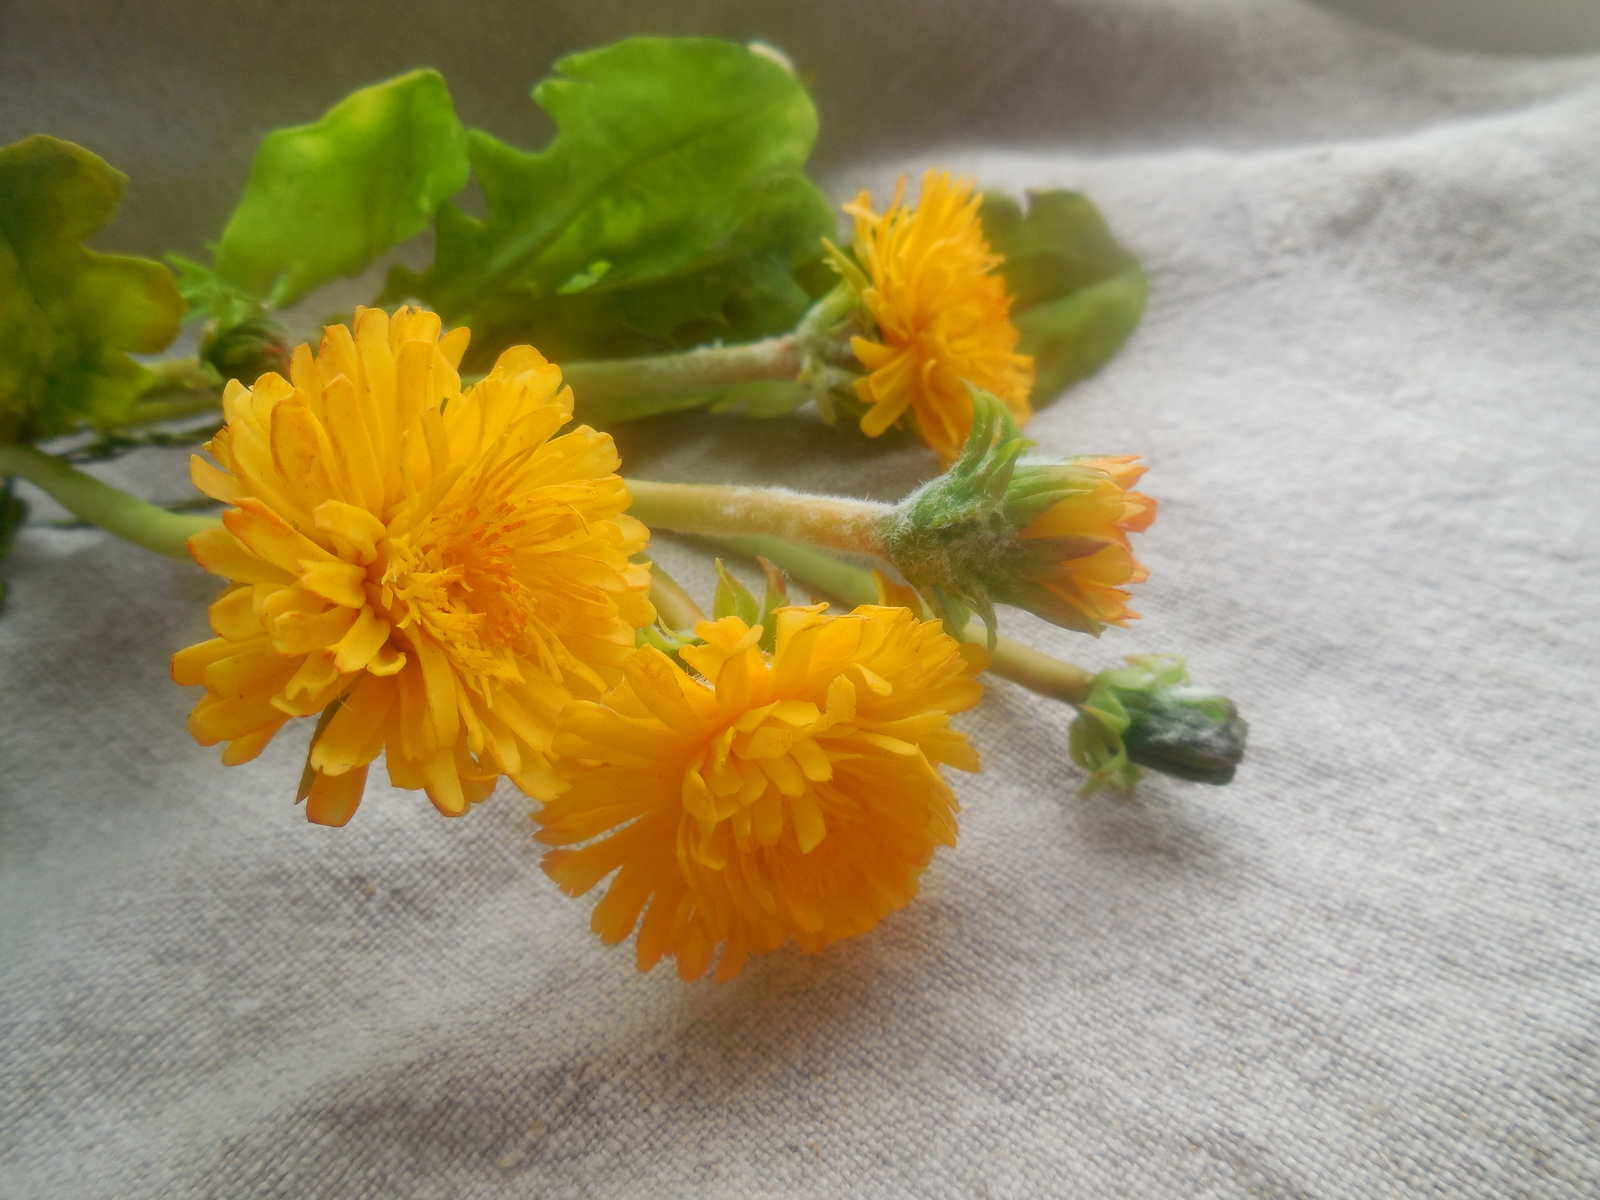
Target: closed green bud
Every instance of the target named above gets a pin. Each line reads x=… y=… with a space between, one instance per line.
x=1148 y=714
x=247 y=351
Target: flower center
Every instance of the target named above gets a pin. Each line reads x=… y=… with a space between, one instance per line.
x=456 y=581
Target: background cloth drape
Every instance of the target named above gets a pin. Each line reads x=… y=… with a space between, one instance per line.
x=1366 y=387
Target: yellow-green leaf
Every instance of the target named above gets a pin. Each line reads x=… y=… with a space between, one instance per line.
x=326 y=199
x=69 y=317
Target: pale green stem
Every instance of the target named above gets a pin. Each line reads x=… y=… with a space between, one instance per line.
x=606 y=391
x=115 y=511
x=674 y=606
x=1010 y=659
x=607 y=386
x=720 y=510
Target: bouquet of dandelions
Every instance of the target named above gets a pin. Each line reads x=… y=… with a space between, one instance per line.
x=442 y=572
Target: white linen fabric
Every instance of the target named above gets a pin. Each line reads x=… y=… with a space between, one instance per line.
x=1366 y=389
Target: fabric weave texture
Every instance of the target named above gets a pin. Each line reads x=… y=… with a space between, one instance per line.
x=1366 y=389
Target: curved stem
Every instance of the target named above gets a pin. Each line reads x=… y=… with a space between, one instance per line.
x=1022 y=664
x=719 y=510
x=173 y=408
x=115 y=511
x=622 y=389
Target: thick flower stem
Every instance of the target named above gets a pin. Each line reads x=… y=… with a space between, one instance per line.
x=1010 y=659
x=606 y=391
x=622 y=389
x=718 y=510
x=115 y=511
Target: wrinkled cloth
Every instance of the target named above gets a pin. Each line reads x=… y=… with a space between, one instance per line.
x=1366 y=388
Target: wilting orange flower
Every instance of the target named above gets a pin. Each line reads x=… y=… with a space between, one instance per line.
x=431 y=570
x=943 y=315
x=1083 y=585
x=798 y=796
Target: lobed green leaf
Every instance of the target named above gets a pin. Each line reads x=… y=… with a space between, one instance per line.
x=324 y=200
x=69 y=317
x=669 y=209
x=1076 y=292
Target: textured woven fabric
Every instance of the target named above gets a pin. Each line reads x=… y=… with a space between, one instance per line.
x=1366 y=389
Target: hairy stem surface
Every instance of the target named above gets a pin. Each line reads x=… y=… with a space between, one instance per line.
x=720 y=510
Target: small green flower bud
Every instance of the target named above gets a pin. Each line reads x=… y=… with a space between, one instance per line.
x=1149 y=714
x=246 y=351
x=1047 y=536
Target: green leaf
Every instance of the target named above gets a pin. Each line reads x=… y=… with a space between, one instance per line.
x=324 y=200
x=676 y=164
x=1076 y=293
x=69 y=317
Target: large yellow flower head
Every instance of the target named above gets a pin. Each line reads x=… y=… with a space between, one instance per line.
x=433 y=571
x=942 y=312
x=796 y=796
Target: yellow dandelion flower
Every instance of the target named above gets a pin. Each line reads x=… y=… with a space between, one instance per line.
x=798 y=796
x=433 y=571
x=943 y=315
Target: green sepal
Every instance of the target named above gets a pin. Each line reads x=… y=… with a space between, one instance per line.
x=677 y=164
x=955 y=541
x=308 y=775
x=69 y=317
x=668 y=641
x=324 y=200
x=1076 y=292
x=733 y=599
x=828 y=366
x=1149 y=714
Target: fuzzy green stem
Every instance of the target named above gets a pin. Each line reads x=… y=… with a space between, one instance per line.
x=115 y=511
x=719 y=510
x=1010 y=659
x=624 y=389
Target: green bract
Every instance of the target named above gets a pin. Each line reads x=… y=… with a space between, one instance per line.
x=669 y=209
x=1149 y=714
x=324 y=200
x=1076 y=293
x=69 y=317
x=958 y=538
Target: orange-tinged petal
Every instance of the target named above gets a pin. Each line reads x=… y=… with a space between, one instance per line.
x=334 y=798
